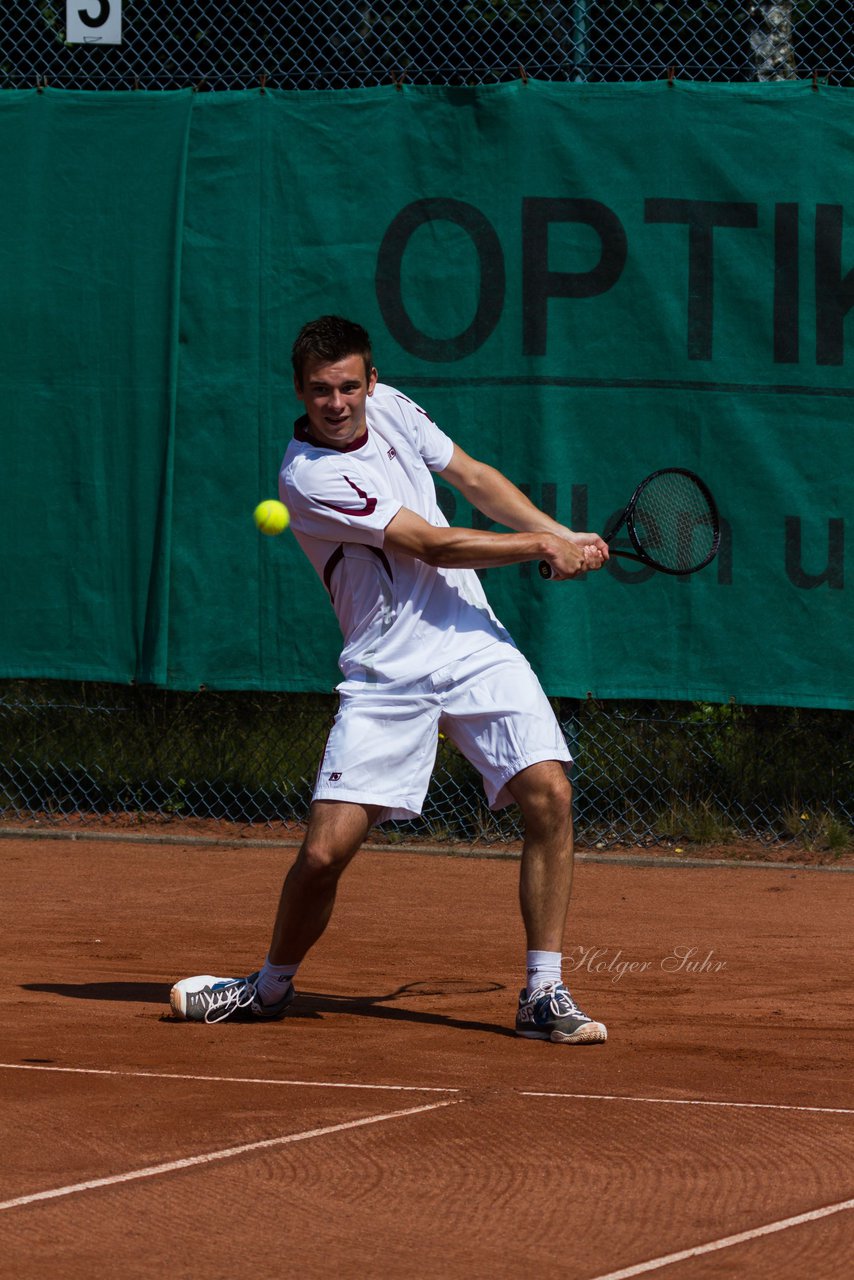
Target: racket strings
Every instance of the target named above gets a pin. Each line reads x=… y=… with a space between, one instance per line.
x=674 y=523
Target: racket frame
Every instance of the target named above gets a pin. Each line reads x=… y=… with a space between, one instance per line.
x=626 y=518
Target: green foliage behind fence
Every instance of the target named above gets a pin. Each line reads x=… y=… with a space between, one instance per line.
x=644 y=771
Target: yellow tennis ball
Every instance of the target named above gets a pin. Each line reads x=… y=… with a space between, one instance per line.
x=272 y=517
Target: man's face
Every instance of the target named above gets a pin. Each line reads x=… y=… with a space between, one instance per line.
x=335 y=396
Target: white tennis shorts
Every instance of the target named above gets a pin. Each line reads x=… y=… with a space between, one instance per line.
x=382 y=746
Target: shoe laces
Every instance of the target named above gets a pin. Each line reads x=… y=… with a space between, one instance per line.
x=560 y=1001
x=226 y=1000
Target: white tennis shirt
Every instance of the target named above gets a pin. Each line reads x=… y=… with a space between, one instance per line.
x=401 y=618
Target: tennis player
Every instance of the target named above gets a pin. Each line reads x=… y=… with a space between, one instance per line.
x=423 y=652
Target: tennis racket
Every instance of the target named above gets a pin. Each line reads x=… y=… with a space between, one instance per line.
x=672 y=523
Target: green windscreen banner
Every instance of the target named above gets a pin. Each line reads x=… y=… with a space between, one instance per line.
x=580 y=284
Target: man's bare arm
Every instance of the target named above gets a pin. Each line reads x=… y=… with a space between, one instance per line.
x=455 y=548
x=490 y=492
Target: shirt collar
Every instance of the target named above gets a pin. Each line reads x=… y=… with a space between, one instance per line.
x=302 y=432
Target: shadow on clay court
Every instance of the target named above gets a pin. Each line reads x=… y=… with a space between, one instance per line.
x=309 y=1004
x=138 y=992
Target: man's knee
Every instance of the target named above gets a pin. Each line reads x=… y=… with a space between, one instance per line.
x=327 y=850
x=544 y=794
x=557 y=798
x=322 y=861
x=334 y=835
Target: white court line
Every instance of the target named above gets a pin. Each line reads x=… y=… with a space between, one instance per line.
x=175 y=1075
x=688 y=1102
x=225 y=1154
x=727 y=1242
x=415 y=1088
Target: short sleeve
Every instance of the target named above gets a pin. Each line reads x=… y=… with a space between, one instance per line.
x=334 y=498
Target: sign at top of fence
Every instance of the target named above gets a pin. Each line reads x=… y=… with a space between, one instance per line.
x=93 y=23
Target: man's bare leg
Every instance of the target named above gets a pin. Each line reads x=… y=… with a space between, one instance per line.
x=336 y=830
x=547 y=1011
x=544 y=795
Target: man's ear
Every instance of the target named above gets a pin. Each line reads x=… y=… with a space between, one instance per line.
x=372 y=382
x=298 y=388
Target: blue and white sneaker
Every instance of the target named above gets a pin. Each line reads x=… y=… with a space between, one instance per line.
x=209 y=999
x=550 y=1013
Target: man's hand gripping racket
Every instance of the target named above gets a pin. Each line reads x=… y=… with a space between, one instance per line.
x=672 y=523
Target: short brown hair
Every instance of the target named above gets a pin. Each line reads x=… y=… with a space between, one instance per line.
x=330 y=338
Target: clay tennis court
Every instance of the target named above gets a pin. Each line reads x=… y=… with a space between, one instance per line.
x=393 y=1125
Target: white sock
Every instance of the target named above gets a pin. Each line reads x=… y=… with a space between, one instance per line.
x=274 y=980
x=543 y=967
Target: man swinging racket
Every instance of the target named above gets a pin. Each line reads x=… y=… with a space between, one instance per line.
x=423 y=652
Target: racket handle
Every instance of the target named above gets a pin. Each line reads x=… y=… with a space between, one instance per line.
x=545 y=569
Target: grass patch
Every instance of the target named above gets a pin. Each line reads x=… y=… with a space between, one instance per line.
x=700 y=822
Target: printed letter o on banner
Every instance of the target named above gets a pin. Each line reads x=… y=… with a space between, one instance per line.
x=492 y=278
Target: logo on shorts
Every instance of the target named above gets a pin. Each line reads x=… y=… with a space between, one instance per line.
x=335 y=777
x=392 y=453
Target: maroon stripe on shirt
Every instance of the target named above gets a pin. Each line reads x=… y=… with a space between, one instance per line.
x=367 y=510
x=416 y=407
x=338 y=555
x=329 y=568
x=383 y=559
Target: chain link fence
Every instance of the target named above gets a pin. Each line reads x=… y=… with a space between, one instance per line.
x=333 y=44
x=645 y=773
